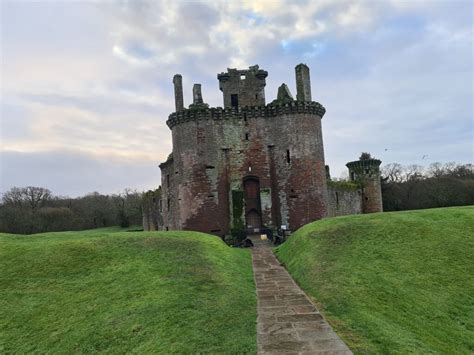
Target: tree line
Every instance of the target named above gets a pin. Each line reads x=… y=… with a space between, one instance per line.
x=27 y=210
x=415 y=187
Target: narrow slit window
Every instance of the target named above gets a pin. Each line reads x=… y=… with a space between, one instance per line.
x=168 y=180
x=288 y=156
x=169 y=204
x=246 y=136
x=234 y=100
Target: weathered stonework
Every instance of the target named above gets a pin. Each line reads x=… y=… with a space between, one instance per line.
x=152 y=210
x=344 y=201
x=367 y=174
x=248 y=165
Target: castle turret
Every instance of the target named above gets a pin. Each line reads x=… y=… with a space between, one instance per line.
x=367 y=173
x=178 y=92
x=242 y=88
x=303 y=83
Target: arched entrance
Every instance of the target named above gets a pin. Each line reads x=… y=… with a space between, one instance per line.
x=253 y=210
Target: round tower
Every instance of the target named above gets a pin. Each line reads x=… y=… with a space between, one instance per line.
x=248 y=165
x=367 y=173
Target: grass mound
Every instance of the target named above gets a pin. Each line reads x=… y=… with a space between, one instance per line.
x=393 y=282
x=119 y=292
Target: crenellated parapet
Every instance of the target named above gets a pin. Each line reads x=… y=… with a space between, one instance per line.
x=271 y=110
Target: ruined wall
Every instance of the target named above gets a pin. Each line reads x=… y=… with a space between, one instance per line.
x=152 y=218
x=248 y=85
x=366 y=172
x=215 y=149
x=169 y=183
x=343 y=201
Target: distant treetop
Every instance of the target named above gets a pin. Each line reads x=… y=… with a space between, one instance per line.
x=365 y=156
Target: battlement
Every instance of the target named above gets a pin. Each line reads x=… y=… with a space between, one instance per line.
x=362 y=165
x=271 y=110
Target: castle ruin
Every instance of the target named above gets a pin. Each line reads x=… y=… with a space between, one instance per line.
x=253 y=165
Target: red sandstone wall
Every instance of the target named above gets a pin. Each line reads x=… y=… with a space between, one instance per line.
x=372 y=196
x=212 y=156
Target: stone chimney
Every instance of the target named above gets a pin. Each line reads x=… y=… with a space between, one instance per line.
x=178 y=92
x=303 y=83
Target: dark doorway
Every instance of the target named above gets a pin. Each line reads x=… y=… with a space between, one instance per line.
x=253 y=210
x=253 y=219
x=234 y=100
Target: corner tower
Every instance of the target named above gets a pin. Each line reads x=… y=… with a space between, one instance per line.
x=367 y=173
x=242 y=88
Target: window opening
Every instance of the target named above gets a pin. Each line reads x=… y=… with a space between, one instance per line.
x=242 y=76
x=246 y=136
x=234 y=100
x=288 y=157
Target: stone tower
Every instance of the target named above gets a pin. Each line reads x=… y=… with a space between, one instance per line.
x=367 y=173
x=248 y=165
x=242 y=88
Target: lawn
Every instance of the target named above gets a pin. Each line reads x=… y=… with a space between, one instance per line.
x=116 y=292
x=394 y=282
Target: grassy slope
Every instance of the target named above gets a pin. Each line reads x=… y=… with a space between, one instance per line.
x=392 y=282
x=118 y=292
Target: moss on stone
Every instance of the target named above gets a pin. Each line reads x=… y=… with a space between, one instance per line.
x=238 y=226
x=344 y=185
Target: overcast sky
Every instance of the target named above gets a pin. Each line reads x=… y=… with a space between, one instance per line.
x=87 y=86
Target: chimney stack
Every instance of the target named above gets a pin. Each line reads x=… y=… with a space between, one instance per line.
x=178 y=92
x=303 y=83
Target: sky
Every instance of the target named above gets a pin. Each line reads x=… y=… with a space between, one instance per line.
x=86 y=86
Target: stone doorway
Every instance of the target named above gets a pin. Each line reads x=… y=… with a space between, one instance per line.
x=253 y=209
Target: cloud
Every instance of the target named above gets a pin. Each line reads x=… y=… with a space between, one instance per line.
x=90 y=83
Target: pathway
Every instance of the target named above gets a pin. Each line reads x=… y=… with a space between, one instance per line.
x=287 y=323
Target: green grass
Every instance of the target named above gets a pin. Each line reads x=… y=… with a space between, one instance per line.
x=113 y=291
x=393 y=282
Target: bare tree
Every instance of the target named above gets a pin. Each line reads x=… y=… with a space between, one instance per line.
x=393 y=172
x=13 y=197
x=36 y=196
x=30 y=196
x=413 y=172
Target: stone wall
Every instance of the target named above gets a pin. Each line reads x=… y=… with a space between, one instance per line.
x=344 y=201
x=214 y=149
x=248 y=87
x=152 y=210
x=367 y=173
